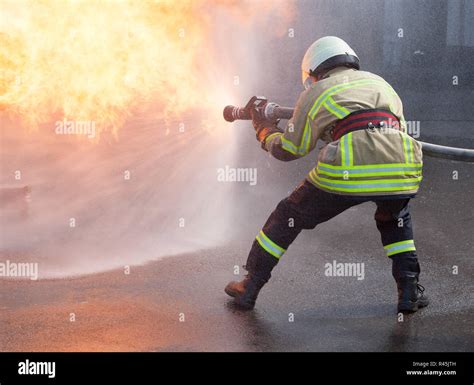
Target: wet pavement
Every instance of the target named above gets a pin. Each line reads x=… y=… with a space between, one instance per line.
x=178 y=303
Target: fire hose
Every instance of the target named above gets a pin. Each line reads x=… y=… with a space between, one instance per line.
x=273 y=111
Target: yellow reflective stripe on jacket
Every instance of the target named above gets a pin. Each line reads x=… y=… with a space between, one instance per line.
x=288 y=146
x=325 y=99
x=303 y=148
x=400 y=247
x=307 y=136
x=339 y=111
x=408 y=148
x=373 y=182
x=368 y=171
x=269 y=246
x=370 y=185
x=271 y=136
x=411 y=156
x=373 y=166
x=347 y=157
x=365 y=188
x=341 y=87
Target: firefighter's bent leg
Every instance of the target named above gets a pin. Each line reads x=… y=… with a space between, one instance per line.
x=306 y=207
x=394 y=223
x=268 y=247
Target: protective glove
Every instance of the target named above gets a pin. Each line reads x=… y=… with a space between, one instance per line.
x=262 y=125
x=264 y=132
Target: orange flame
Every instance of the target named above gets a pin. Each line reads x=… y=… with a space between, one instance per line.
x=99 y=60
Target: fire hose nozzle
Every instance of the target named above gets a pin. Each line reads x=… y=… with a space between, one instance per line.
x=232 y=113
x=271 y=111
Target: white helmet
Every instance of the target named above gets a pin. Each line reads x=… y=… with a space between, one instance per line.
x=326 y=53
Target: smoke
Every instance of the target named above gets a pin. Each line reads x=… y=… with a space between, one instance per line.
x=130 y=174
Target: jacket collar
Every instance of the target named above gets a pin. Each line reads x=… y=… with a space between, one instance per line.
x=337 y=71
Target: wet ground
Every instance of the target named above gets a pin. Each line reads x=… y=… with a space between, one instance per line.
x=178 y=303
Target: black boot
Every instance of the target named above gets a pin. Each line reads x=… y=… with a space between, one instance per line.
x=411 y=295
x=406 y=270
x=245 y=292
x=259 y=266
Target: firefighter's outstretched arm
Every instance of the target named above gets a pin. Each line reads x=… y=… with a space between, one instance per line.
x=296 y=140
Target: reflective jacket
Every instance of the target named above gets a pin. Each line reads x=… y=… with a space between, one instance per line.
x=380 y=161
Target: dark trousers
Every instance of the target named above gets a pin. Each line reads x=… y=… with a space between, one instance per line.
x=308 y=206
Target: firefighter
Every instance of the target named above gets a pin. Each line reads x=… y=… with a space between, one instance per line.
x=368 y=156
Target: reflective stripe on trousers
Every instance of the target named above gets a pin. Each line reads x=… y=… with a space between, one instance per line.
x=400 y=247
x=269 y=246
